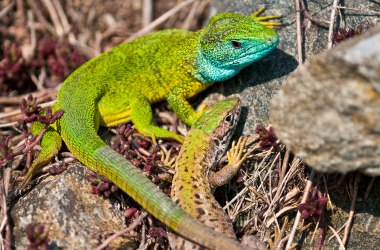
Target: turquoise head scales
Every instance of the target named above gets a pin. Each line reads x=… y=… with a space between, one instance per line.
x=231 y=42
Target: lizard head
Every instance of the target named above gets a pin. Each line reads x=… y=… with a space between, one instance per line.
x=231 y=42
x=219 y=122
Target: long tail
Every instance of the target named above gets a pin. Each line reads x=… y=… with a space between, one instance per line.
x=79 y=133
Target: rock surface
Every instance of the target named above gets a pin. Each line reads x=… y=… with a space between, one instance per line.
x=73 y=216
x=328 y=112
x=257 y=84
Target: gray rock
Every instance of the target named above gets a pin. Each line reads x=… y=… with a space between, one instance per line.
x=73 y=216
x=328 y=112
x=257 y=84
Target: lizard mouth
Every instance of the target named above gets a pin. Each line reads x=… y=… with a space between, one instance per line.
x=255 y=53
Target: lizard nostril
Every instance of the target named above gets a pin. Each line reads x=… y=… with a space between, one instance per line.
x=269 y=40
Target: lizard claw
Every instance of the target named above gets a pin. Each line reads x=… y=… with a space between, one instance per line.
x=263 y=19
x=235 y=154
x=165 y=158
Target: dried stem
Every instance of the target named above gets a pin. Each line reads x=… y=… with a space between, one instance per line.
x=5 y=10
x=120 y=233
x=337 y=237
x=299 y=32
x=332 y=22
x=347 y=229
x=147 y=12
x=54 y=17
x=160 y=20
x=298 y=217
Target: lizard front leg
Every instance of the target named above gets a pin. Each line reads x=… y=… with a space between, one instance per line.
x=235 y=158
x=177 y=100
x=142 y=118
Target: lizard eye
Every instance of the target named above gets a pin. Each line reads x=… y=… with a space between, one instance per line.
x=235 y=44
x=228 y=118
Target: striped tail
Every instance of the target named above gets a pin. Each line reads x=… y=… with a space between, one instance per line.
x=88 y=147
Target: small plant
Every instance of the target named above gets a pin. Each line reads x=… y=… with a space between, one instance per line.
x=128 y=143
x=100 y=184
x=12 y=68
x=267 y=138
x=37 y=236
x=50 y=117
x=313 y=207
x=159 y=234
x=54 y=59
x=59 y=57
x=29 y=108
x=32 y=112
x=6 y=153
x=344 y=34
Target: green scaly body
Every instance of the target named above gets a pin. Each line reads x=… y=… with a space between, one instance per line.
x=120 y=85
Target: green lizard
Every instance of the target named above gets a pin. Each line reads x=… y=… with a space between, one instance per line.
x=195 y=177
x=121 y=84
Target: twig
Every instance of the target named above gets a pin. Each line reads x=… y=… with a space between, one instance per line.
x=36 y=140
x=20 y=15
x=249 y=182
x=299 y=32
x=54 y=17
x=298 y=217
x=331 y=26
x=369 y=188
x=41 y=18
x=347 y=229
x=356 y=9
x=18 y=111
x=41 y=95
x=5 y=11
x=284 y=165
x=258 y=194
x=140 y=149
x=281 y=185
x=33 y=37
x=307 y=14
x=282 y=175
x=8 y=125
x=337 y=237
x=62 y=16
x=159 y=20
x=147 y=12
x=4 y=185
x=278 y=214
x=190 y=17
x=143 y=236
x=120 y=233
